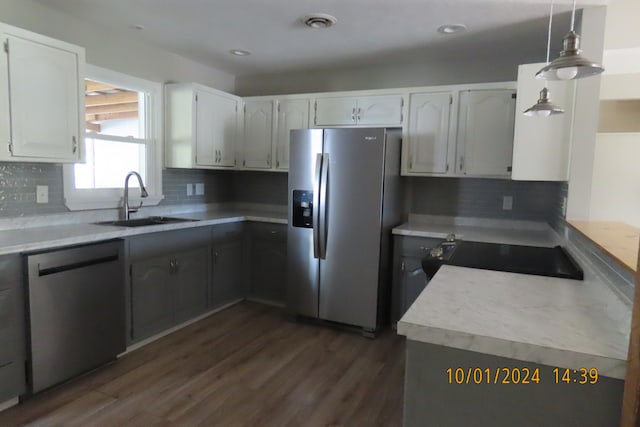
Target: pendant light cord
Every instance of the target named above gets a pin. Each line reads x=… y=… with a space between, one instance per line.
x=549 y=35
x=549 y=32
x=573 y=15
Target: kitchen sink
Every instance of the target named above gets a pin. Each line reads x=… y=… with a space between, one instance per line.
x=151 y=220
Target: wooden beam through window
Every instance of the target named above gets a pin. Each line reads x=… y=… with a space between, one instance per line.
x=93 y=127
x=112 y=108
x=91 y=86
x=111 y=98
x=112 y=116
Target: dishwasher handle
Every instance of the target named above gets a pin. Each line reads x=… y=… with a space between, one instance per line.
x=76 y=265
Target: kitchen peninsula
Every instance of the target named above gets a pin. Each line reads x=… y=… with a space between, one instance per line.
x=495 y=348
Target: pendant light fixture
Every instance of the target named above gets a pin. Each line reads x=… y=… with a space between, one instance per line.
x=544 y=107
x=570 y=64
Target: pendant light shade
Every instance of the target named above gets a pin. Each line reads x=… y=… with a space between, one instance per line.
x=570 y=64
x=544 y=107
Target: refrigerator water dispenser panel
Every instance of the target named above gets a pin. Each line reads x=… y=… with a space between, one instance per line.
x=302 y=209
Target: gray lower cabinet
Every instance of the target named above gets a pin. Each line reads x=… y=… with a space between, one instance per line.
x=408 y=278
x=12 y=328
x=228 y=281
x=169 y=279
x=268 y=262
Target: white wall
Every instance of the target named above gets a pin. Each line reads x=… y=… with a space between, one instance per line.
x=616 y=178
x=585 y=123
x=379 y=77
x=113 y=48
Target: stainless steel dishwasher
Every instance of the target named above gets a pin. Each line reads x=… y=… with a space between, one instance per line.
x=76 y=305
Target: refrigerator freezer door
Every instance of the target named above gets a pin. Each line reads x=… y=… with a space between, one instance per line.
x=349 y=274
x=303 y=268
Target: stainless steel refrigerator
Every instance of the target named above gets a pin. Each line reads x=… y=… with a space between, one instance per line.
x=345 y=196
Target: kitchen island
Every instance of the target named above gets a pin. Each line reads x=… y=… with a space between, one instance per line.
x=503 y=349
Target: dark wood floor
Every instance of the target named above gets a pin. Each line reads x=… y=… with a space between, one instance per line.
x=247 y=365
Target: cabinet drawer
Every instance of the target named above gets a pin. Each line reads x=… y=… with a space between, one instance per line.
x=162 y=243
x=414 y=246
x=267 y=231
x=227 y=232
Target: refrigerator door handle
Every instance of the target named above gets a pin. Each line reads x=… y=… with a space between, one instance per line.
x=322 y=218
x=316 y=206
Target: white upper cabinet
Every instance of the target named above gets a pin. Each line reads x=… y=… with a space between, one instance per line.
x=485 y=133
x=384 y=110
x=426 y=147
x=258 y=134
x=291 y=114
x=201 y=127
x=41 y=98
x=541 y=145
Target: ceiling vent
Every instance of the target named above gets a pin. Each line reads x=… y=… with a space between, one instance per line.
x=319 y=20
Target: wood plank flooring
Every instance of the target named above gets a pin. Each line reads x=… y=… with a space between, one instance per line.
x=245 y=366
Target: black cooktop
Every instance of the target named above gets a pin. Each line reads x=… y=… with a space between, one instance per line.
x=541 y=261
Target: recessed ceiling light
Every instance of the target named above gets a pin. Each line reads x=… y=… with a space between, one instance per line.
x=239 y=52
x=319 y=20
x=452 y=28
x=137 y=27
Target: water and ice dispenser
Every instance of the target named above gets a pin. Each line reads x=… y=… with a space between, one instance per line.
x=302 y=208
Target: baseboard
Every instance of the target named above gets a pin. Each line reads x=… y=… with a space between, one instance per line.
x=9 y=403
x=171 y=330
x=278 y=304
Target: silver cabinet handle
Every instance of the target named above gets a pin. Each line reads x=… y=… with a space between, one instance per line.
x=172 y=266
x=353 y=114
x=359 y=113
x=74 y=144
x=215 y=257
x=461 y=163
x=269 y=159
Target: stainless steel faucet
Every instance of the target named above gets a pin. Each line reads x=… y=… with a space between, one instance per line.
x=143 y=193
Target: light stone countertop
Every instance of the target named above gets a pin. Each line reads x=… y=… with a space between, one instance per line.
x=551 y=321
x=555 y=322
x=480 y=230
x=26 y=239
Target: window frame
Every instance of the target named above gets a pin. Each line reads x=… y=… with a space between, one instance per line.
x=105 y=198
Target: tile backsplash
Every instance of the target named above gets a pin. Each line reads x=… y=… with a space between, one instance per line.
x=478 y=197
x=18 y=189
x=539 y=201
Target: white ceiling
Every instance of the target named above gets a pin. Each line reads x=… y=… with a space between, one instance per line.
x=368 y=31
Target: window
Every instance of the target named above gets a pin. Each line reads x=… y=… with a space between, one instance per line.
x=123 y=133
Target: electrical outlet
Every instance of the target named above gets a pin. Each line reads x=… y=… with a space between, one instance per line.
x=200 y=189
x=189 y=189
x=507 y=203
x=42 y=194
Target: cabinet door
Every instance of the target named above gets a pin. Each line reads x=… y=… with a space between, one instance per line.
x=379 y=110
x=12 y=331
x=190 y=281
x=292 y=114
x=413 y=281
x=44 y=101
x=428 y=132
x=541 y=145
x=228 y=282
x=335 y=111
x=258 y=134
x=216 y=128
x=151 y=296
x=268 y=263
x=485 y=132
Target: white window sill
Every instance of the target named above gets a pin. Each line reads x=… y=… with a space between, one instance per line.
x=81 y=204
